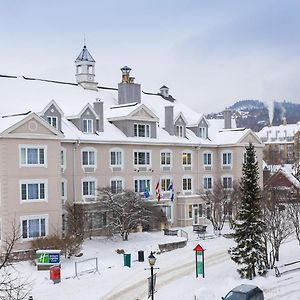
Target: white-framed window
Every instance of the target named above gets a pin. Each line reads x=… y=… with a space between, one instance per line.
x=207 y=183
x=34 y=226
x=207 y=159
x=87 y=126
x=165 y=183
x=187 y=184
x=89 y=157
x=141 y=158
x=141 y=184
x=63 y=158
x=63 y=190
x=187 y=158
x=116 y=157
x=227 y=182
x=165 y=158
x=179 y=130
x=116 y=185
x=33 y=155
x=202 y=132
x=34 y=190
x=227 y=158
x=89 y=185
x=53 y=121
x=141 y=130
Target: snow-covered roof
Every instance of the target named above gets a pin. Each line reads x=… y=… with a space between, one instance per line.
x=22 y=95
x=283 y=132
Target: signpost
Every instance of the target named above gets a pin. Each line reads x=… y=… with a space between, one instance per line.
x=199 y=251
x=46 y=258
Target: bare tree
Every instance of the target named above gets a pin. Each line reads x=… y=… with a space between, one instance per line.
x=12 y=285
x=222 y=202
x=294 y=213
x=76 y=219
x=277 y=224
x=125 y=210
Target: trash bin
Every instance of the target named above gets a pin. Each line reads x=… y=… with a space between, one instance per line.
x=127 y=260
x=55 y=274
x=140 y=256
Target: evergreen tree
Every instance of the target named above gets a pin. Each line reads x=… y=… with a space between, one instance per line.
x=250 y=250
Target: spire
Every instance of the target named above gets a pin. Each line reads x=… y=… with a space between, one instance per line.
x=85 y=55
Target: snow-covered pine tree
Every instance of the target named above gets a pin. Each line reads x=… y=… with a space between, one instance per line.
x=250 y=250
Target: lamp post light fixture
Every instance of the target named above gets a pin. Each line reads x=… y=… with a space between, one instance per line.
x=152 y=260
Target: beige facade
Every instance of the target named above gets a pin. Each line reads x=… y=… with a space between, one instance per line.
x=47 y=158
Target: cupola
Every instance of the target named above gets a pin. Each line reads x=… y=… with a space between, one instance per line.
x=85 y=70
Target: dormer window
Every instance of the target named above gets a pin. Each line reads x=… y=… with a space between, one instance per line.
x=87 y=126
x=180 y=130
x=142 y=130
x=53 y=121
x=202 y=132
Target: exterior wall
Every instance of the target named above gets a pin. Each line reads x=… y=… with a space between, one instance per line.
x=11 y=173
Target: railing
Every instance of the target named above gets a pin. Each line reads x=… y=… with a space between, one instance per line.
x=293 y=266
x=184 y=234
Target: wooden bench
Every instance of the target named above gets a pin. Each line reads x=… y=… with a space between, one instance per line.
x=171 y=232
x=289 y=267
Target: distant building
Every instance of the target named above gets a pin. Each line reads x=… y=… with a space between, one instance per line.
x=282 y=143
x=60 y=141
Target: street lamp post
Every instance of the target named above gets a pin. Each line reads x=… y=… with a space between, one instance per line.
x=152 y=260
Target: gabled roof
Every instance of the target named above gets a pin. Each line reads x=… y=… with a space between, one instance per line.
x=52 y=102
x=83 y=110
x=131 y=112
x=180 y=115
x=31 y=116
x=85 y=55
x=283 y=179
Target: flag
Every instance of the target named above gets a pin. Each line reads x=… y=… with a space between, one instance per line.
x=157 y=192
x=146 y=192
x=171 y=189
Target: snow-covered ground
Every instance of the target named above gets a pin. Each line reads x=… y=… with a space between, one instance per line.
x=175 y=277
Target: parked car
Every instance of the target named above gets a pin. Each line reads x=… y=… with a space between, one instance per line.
x=245 y=292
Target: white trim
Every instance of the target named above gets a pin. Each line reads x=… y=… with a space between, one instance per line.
x=89 y=179
x=187 y=152
x=116 y=178
x=211 y=158
x=116 y=149
x=49 y=105
x=92 y=126
x=231 y=158
x=51 y=121
x=33 y=146
x=142 y=151
x=212 y=182
x=142 y=178
x=88 y=150
x=33 y=181
x=227 y=176
x=186 y=177
x=31 y=217
x=171 y=158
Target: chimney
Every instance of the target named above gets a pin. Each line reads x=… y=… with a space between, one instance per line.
x=128 y=91
x=169 y=119
x=164 y=91
x=227 y=118
x=98 y=107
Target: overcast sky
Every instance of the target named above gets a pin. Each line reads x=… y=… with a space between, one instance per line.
x=209 y=53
